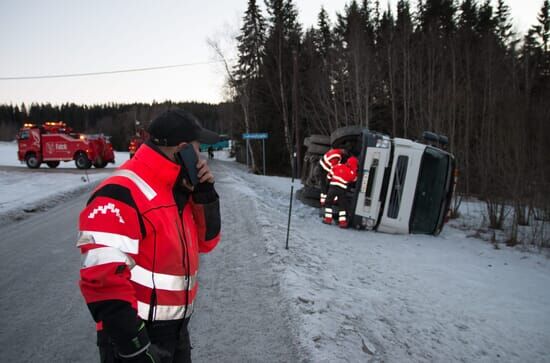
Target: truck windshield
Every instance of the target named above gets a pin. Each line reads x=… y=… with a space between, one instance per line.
x=431 y=191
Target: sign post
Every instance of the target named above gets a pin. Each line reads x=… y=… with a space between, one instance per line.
x=255 y=136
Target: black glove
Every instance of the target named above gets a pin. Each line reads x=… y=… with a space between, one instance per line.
x=153 y=354
x=140 y=350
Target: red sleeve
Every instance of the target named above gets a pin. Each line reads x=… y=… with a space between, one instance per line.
x=108 y=241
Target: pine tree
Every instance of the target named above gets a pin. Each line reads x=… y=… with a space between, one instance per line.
x=251 y=42
x=542 y=29
x=468 y=17
x=503 y=23
x=323 y=40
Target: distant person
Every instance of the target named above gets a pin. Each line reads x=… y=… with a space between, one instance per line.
x=140 y=238
x=342 y=175
x=210 y=152
x=328 y=161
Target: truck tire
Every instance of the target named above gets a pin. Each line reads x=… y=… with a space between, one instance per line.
x=305 y=194
x=342 y=135
x=99 y=163
x=32 y=161
x=318 y=149
x=320 y=140
x=52 y=164
x=82 y=162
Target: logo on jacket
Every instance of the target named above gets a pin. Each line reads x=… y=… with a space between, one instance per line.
x=103 y=209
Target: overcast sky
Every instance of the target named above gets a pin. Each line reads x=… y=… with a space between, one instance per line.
x=43 y=37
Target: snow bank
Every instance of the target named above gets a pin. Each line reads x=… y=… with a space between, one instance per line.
x=358 y=296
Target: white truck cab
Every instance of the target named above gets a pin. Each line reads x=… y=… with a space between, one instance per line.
x=403 y=186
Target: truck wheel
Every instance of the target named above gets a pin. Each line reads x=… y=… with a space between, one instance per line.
x=320 y=140
x=317 y=149
x=306 y=197
x=32 y=161
x=341 y=136
x=100 y=164
x=52 y=164
x=82 y=162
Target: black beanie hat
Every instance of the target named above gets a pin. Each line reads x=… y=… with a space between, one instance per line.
x=176 y=126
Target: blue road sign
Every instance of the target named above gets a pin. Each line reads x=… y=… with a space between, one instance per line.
x=261 y=135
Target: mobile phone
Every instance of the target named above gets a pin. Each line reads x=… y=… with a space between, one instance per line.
x=187 y=158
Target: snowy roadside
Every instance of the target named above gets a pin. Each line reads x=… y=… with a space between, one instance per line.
x=365 y=296
x=24 y=192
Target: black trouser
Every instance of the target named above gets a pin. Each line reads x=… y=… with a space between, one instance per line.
x=333 y=192
x=324 y=181
x=169 y=336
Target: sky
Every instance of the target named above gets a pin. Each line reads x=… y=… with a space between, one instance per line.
x=51 y=37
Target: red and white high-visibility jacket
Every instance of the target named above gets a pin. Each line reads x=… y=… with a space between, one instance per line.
x=140 y=239
x=330 y=159
x=343 y=174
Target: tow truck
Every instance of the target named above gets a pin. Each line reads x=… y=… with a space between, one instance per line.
x=403 y=186
x=54 y=142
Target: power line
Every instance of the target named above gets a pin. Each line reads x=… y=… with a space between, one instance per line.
x=88 y=74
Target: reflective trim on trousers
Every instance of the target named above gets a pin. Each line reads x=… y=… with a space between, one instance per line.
x=103 y=255
x=119 y=241
x=136 y=179
x=165 y=312
x=145 y=277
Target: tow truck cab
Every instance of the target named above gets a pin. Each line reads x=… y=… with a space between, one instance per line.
x=403 y=186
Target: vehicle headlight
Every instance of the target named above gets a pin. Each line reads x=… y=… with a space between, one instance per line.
x=382 y=143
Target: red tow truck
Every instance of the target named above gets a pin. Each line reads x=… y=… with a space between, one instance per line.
x=54 y=142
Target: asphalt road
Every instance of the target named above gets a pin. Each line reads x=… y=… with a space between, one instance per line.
x=239 y=316
x=42 y=169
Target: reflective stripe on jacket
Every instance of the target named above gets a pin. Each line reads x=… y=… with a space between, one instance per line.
x=342 y=175
x=140 y=240
x=331 y=158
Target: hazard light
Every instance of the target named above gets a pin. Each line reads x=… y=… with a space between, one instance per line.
x=29 y=125
x=82 y=137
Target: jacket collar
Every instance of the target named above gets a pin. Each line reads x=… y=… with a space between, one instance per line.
x=154 y=166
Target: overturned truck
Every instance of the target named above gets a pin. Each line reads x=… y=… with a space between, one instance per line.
x=403 y=186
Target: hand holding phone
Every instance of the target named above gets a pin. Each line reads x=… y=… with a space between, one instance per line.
x=187 y=158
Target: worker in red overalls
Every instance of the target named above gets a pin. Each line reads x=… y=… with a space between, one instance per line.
x=341 y=175
x=328 y=161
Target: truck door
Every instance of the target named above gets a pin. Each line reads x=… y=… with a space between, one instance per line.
x=401 y=186
x=376 y=159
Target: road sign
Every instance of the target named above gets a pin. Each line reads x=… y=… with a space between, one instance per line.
x=261 y=136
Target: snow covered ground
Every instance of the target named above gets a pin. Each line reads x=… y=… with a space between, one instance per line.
x=356 y=296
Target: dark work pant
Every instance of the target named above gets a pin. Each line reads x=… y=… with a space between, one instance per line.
x=178 y=344
x=333 y=192
x=323 y=183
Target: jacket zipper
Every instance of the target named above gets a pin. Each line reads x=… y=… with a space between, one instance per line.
x=184 y=241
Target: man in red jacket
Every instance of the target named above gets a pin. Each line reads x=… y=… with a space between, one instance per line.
x=328 y=161
x=341 y=176
x=140 y=238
